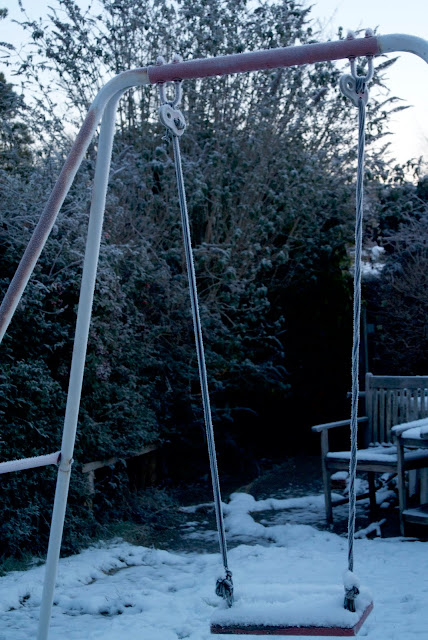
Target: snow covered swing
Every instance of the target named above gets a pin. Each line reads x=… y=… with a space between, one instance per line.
x=291 y=610
x=286 y=610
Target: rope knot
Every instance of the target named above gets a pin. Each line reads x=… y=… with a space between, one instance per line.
x=224 y=588
x=172 y=119
x=360 y=85
x=351 y=584
x=354 y=86
x=351 y=594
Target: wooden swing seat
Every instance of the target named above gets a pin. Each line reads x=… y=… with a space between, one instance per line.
x=298 y=610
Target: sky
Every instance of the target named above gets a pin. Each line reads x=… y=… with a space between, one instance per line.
x=408 y=79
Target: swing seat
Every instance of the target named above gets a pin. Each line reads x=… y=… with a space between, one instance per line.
x=297 y=610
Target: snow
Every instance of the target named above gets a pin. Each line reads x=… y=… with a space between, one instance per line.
x=387 y=453
x=306 y=605
x=350 y=580
x=406 y=426
x=340 y=475
x=372 y=260
x=417 y=433
x=374 y=527
x=117 y=590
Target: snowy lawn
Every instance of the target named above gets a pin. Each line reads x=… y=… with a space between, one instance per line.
x=121 y=591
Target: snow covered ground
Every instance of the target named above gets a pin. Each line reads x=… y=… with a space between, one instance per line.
x=118 y=591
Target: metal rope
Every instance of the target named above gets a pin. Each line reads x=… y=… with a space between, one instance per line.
x=173 y=119
x=354 y=87
x=356 y=333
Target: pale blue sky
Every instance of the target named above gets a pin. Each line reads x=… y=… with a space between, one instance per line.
x=408 y=78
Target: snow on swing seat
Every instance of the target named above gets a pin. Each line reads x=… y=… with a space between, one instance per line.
x=297 y=610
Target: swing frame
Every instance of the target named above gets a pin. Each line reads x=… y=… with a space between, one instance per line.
x=103 y=109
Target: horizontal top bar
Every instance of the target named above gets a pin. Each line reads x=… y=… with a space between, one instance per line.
x=265 y=59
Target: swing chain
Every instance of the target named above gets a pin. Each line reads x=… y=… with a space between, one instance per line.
x=351 y=594
x=175 y=124
x=354 y=87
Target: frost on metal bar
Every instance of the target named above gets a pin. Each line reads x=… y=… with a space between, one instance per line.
x=30 y=463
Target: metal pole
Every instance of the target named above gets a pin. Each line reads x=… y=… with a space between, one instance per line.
x=288 y=57
x=96 y=217
x=394 y=42
x=264 y=59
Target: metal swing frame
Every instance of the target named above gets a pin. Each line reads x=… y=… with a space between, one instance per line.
x=103 y=109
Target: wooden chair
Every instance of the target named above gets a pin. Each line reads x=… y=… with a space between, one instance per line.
x=389 y=401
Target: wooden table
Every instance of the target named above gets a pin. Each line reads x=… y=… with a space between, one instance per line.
x=413 y=438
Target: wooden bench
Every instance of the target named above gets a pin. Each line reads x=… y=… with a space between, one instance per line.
x=91 y=467
x=389 y=401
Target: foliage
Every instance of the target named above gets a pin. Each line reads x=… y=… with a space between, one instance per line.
x=268 y=162
x=15 y=138
x=398 y=299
